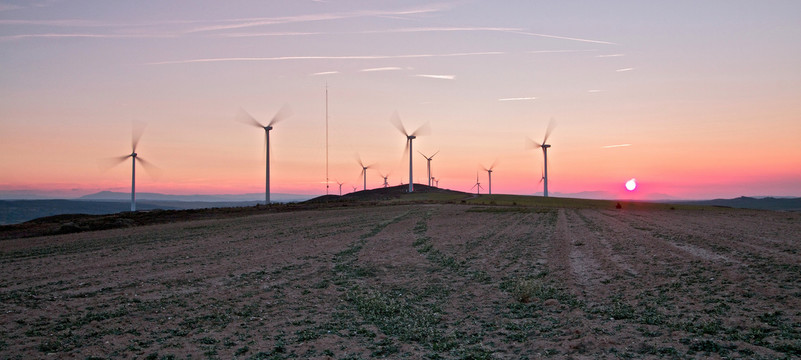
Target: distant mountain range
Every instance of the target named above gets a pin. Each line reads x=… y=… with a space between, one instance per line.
x=126 y=196
x=108 y=202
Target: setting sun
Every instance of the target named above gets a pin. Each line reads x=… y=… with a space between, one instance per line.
x=631 y=184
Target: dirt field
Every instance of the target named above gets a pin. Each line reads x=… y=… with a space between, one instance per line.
x=413 y=281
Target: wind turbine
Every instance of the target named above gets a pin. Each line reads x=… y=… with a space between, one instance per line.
x=136 y=134
x=423 y=130
x=364 y=171
x=544 y=146
x=477 y=186
x=282 y=113
x=386 y=184
x=428 y=159
x=489 y=173
x=340 y=187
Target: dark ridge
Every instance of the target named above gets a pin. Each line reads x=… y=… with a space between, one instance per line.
x=381 y=194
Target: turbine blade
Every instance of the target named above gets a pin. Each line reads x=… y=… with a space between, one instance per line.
x=531 y=144
x=264 y=146
x=152 y=170
x=283 y=113
x=423 y=130
x=406 y=150
x=359 y=160
x=435 y=154
x=493 y=164
x=108 y=163
x=245 y=118
x=396 y=121
x=424 y=155
x=548 y=130
x=137 y=128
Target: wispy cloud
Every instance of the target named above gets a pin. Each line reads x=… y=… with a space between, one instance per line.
x=325 y=73
x=556 y=51
x=389 y=68
x=594 y=91
x=441 y=77
x=625 y=69
x=353 y=57
x=72 y=35
x=610 y=55
x=615 y=146
x=269 y=34
x=253 y=22
x=518 y=99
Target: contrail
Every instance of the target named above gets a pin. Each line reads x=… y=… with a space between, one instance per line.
x=615 y=146
x=518 y=99
x=389 y=68
x=442 y=77
x=564 y=38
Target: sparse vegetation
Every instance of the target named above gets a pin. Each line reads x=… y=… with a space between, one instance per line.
x=496 y=277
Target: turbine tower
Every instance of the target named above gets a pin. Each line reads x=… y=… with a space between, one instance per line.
x=544 y=146
x=136 y=134
x=428 y=160
x=489 y=173
x=409 y=137
x=477 y=186
x=283 y=113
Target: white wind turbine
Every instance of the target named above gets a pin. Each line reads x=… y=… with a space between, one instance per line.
x=489 y=173
x=477 y=186
x=422 y=130
x=428 y=160
x=340 y=187
x=544 y=146
x=364 y=171
x=136 y=134
x=283 y=113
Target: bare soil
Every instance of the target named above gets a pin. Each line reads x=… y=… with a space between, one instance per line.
x=412 y=281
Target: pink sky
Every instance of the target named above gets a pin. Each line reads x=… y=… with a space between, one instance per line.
x=705 y=95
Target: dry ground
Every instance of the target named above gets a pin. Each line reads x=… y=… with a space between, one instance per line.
x=413 y=281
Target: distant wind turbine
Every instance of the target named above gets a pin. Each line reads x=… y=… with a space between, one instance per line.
x=283 y=113
x=364 y=171
x=423 y=130
x=136 y=134
x=428 y=160
x=386 y=184
x=544 y=146
x=489 y=173
x=477 y=186
x=340 y=187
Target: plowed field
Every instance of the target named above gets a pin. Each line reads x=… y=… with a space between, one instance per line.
x=413 y=281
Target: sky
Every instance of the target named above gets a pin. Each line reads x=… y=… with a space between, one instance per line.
x=693 y=99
